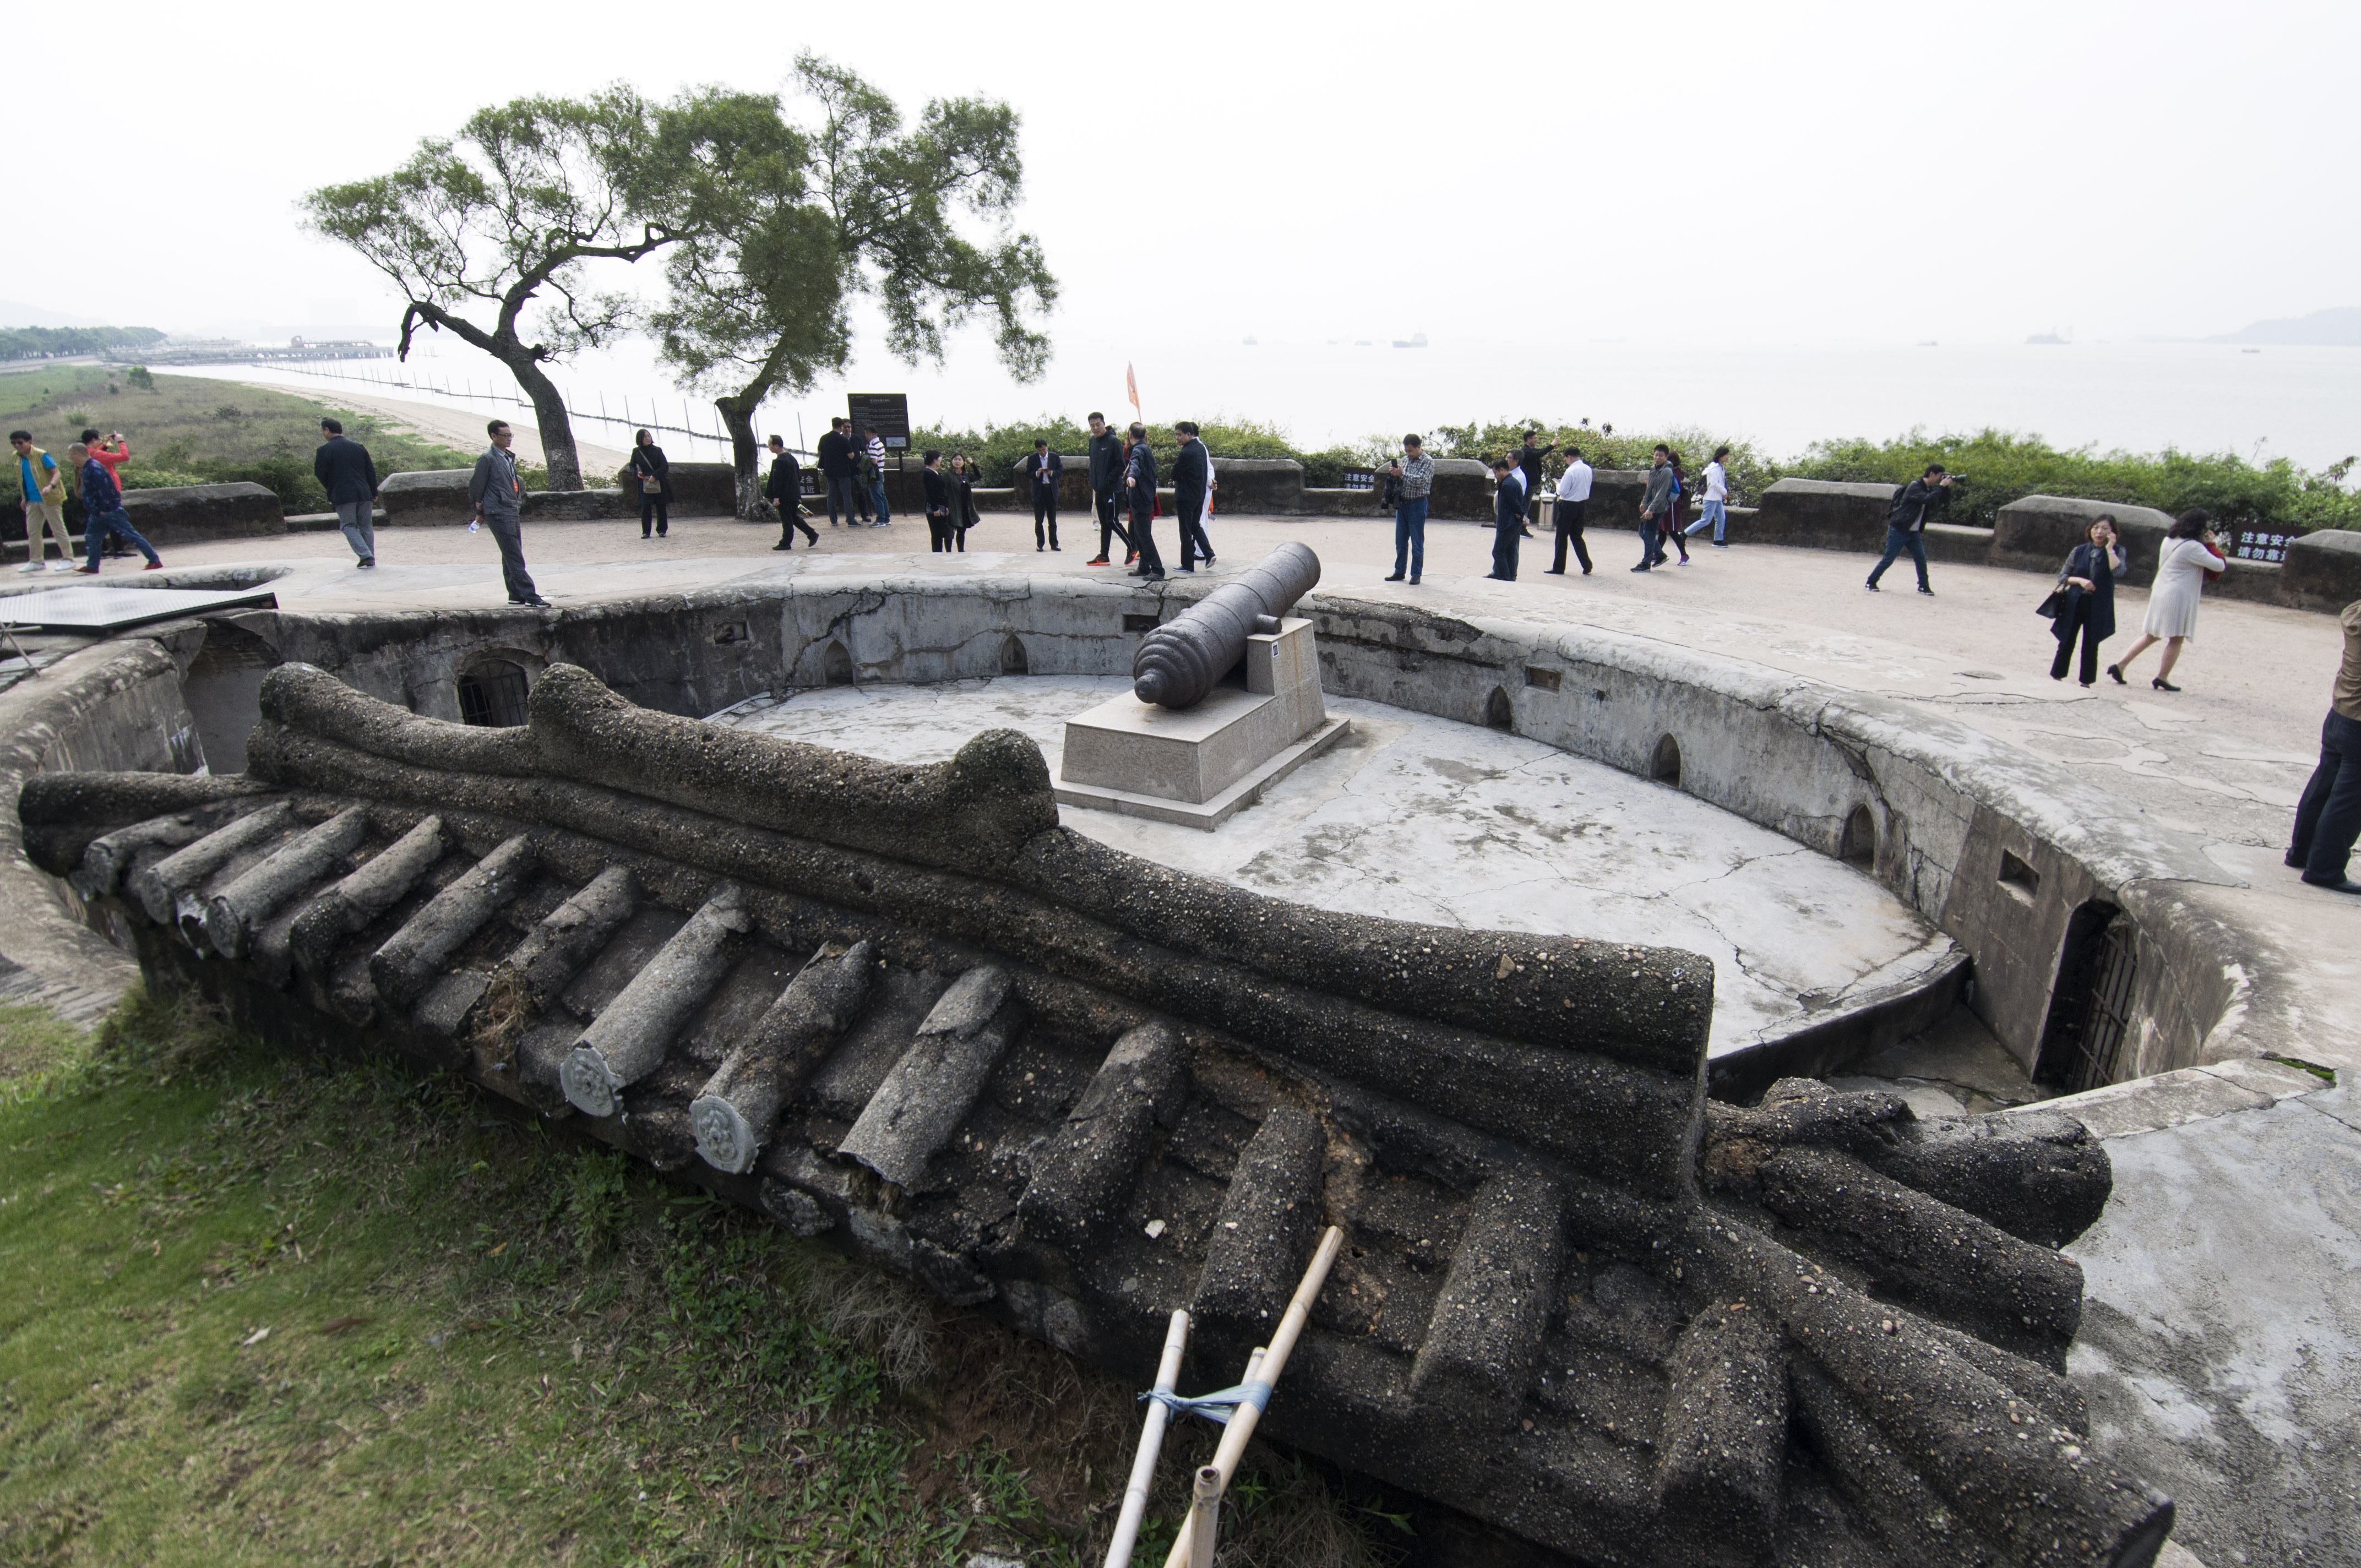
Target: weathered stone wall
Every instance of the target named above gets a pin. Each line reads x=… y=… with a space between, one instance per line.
x=177 y=514
x=429 y=496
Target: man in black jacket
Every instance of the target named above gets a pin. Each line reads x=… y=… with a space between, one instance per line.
x=836 y=465
x=1529 y=468
x=1041 y=471
x=1192 y=483
x=346 y=472
x=784 y=490
x=1139 y=491
x=1508 y=518
x=1106 y=478
x=1906 y=520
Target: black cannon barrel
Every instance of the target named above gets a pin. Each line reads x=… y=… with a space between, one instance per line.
x=1178 y=662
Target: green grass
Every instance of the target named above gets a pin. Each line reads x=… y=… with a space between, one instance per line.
x=193 y=431
x=269 y=1311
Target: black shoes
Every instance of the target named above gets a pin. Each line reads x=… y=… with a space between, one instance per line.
x=2115 y=674
x=2343 y=884
x=1929 y=592
x=1396 y=577
x=2161 y=684
x=1871 y=586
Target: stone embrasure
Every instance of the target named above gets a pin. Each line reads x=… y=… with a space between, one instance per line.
x=899 y=1007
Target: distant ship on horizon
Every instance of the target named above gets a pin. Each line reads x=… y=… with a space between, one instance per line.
x=2050 y=337
x=1415 y=340
x=1250 y=343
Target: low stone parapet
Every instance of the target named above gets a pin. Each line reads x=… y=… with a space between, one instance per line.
x=2036 y=533
x=172 y=515
x=433 y=496
x=2322 y=571
x=1824 y=514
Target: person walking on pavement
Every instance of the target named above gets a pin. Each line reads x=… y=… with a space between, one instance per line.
x=1139 y=493
x=103 y=512
x=1416 y=471
x=2192 y=558
x=1508 y=518
x=1573 y=500
x=1656 y=506
x=1906 y=520
x=45 y=503
x=652 y=476
x=1716 y=514
x=784 y=488
x=960 y=479
x=346 y=472
x=1192 y=494
x=2328 y=817
x=1670 y=521
x=499 y=500
x=939 y=504
x=115 y=451
x=1106 y=478
x=872 y=472
x=1042 y=472
x=1529 y=470
x=2086 y=605
x=838 y=471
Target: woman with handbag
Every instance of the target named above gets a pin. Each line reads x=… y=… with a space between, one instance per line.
x=653 y=475
x=2084 y=600
x=2192 y=558
x=961 y=482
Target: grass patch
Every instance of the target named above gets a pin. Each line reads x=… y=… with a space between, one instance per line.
x=270 y=1311
x=190 y=429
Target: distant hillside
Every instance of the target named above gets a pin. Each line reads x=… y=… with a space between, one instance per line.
x=28 y=342
x=2322 y=329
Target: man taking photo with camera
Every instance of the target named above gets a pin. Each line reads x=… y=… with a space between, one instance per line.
x=1906 y=520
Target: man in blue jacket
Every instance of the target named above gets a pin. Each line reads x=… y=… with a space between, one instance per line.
x=345 y=471
x=1508 y=519
x=103 y=512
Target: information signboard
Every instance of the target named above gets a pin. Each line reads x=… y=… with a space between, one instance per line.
x=885 y=415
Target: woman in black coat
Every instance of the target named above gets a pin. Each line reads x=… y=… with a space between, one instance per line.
x=652 y=474
x=2088 y=605
x=961 y=482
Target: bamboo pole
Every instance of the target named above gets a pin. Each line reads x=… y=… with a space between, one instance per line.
x=1203 y=1517
x=1208 y=1502
x=1151 y=1440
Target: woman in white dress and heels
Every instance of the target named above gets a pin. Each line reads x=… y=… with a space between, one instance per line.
x=2191 y=559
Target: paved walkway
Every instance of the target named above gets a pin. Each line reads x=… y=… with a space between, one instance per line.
x=2225 y=757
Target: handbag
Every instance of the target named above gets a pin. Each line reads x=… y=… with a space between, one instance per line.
x=650 y=485
x=2050 y=605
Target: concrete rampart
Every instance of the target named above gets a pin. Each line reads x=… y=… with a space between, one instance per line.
x=169 y=515
x=430 y=497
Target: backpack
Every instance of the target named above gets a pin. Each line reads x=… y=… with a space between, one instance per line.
x=1903 y=511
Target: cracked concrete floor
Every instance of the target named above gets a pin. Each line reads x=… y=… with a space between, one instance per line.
x=1455 y=825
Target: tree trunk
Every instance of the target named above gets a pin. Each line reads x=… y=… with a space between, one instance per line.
x=745 y=457
x=549 y=413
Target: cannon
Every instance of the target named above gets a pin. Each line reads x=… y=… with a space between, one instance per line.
x=1178 y=662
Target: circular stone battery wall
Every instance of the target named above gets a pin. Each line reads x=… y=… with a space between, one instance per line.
x=1454 y=824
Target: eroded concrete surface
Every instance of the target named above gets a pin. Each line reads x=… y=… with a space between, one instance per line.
x=1425 y=819
x=2221 y=1339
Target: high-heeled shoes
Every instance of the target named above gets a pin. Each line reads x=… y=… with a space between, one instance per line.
x=2115 y=672
x=2161 y=684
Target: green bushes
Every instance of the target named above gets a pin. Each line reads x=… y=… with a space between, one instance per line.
x=2000 y=467
x=998 y=448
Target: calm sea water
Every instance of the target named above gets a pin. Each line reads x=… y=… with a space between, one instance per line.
x=2302 y=403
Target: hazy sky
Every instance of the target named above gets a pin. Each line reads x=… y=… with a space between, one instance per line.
x=1691 y=173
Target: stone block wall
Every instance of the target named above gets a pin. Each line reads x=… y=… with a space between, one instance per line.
x=2322 y=571
x=428 y=496
x=2037 y=532
x=1822 y=514
x=179 y=514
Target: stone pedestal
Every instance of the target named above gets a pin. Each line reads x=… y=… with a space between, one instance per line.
x=1199 y=765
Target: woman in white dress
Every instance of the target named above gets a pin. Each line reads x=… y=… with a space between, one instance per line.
x=2192 y=558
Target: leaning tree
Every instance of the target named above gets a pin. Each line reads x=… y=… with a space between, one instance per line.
x=513 y=211
x=853 y=204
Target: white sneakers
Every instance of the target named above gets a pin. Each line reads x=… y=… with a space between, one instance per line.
x=30 y=566
x=63 y=566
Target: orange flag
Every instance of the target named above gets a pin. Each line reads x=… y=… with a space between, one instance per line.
x=1131 y=385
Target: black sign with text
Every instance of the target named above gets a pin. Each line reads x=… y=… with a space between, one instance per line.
x=885 y=415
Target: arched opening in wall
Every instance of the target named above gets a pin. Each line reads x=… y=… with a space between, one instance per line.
x=1858 y=845
x=2090 y=1009
x=491 y=694
x=1665 y=767
x=1012 y=656
x=836 y=665
x=1497 y=711
x=224 y=691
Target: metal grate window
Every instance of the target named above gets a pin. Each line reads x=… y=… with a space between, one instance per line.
x=2090 y=1011
x=492 y=695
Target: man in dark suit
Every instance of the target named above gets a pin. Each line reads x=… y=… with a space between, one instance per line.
x=1042 y=470
x=1529 y=470
x=1140 y=492
x=1508 y=519
x=784 y=490
x=1106 y=478
x=836 y=465
x=1192 y=485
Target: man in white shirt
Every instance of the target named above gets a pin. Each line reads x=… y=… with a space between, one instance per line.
x=1716 y=499
x=1573 y=500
